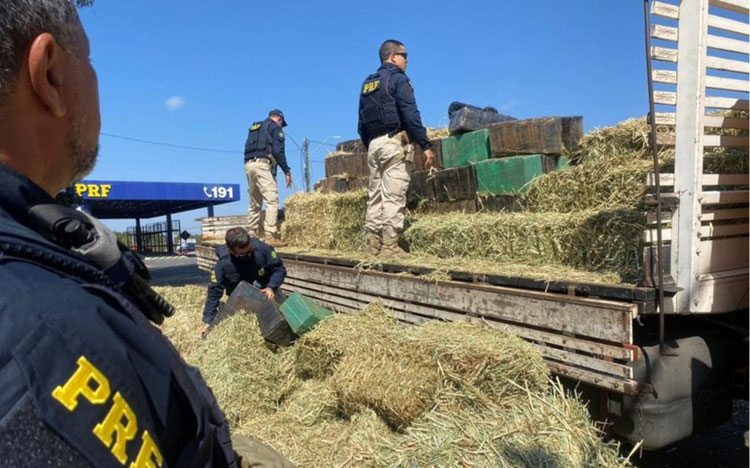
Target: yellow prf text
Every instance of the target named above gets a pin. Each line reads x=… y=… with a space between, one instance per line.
x=120 y=425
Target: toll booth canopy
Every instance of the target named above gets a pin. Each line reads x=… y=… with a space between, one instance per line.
x=109 y=199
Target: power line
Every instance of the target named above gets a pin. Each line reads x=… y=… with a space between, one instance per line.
x=158 y=143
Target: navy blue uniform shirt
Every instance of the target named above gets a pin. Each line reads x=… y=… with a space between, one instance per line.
x=85 y=379
x=400 y=88
x=277 y=145
x=262 y=266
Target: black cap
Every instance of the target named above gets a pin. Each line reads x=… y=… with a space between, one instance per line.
x=280 y=114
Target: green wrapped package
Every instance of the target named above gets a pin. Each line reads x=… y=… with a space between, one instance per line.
x=302 y=313
x=462 y=150
x=508 y=175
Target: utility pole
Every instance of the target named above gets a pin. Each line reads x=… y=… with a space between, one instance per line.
x=306 y=152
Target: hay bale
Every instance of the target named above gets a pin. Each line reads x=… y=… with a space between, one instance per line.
x=593 y=240
x=312 y=402
x=467 y=423
x=591 y=185
x=246 y=375
x=398 y=383
x=489 y=361
x=331 y=221
x=318 y=353
x=182 y=328
x=540 y=429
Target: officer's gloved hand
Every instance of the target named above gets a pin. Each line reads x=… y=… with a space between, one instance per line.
x=254 y=454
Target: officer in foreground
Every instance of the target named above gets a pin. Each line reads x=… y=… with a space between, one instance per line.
x=243 y=258
x=389 y=123
x=86 y=379
x=264 y=151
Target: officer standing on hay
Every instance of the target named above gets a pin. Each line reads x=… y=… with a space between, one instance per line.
x=86 y=379
x=389 y=122
x=243 y=258
x=264 y=151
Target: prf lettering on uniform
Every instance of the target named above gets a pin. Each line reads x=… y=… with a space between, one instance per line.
x=370 y=87
x=119 y=426
x=93 y=190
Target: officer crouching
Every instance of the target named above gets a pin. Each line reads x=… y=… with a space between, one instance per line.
x=243 y=258
x=389 y=122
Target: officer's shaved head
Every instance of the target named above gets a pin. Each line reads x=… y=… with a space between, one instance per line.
x=21 y=21
x=391 y=46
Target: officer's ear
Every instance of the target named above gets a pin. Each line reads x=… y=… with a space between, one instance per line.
x=46 y=66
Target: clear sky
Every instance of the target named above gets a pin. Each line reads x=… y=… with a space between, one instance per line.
x=198 y=73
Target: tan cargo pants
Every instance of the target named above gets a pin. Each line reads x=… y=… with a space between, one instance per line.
x=389 y=162
x=261 y=186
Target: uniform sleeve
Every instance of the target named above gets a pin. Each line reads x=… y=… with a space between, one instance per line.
x=408 y=112
x=277 y=269
x=361 y=128
x=277 y=141
x=215 y=293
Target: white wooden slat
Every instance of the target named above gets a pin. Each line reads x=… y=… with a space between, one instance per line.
x=709 y=141
x=706 y=179
x=726 y=24
x=714 y=121
x=721 y=230
x=725 y=64
x=665 y=10
x=667 y=98
x=664 y=54
x=729 y=84
x=724 y=230
x=722 y=254
x=724 y=103
x=665 y=33
x=726 y=141
x=722 y=215
x=706 y=216
x=664 y=76
x=669 y=33
x=725 y=43
x=714 y=82
x=737 y=6
x=719 y=293
x=711 y=121
x=724 y=197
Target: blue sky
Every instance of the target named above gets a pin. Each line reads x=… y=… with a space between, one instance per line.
x=198 y=73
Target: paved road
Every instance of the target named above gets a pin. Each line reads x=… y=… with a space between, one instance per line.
x=175 y=270
x=721 y=447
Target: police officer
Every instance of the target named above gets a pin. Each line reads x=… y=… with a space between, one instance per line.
x=264 y=151
x=243 y=258
x=85 y=377
x=389 y=123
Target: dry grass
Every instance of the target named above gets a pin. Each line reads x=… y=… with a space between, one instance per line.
x=600 y=241
x=442 y=394
x=332 y=221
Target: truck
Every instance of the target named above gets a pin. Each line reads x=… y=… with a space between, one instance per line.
x=659 y=361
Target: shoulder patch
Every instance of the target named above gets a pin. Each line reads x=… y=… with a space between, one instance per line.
x=213 y=277
x=274 y=254
x=411 y=85
x=261 y=272
x=281 y=134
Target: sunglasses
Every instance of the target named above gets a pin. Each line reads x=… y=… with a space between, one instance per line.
x=405 y=55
